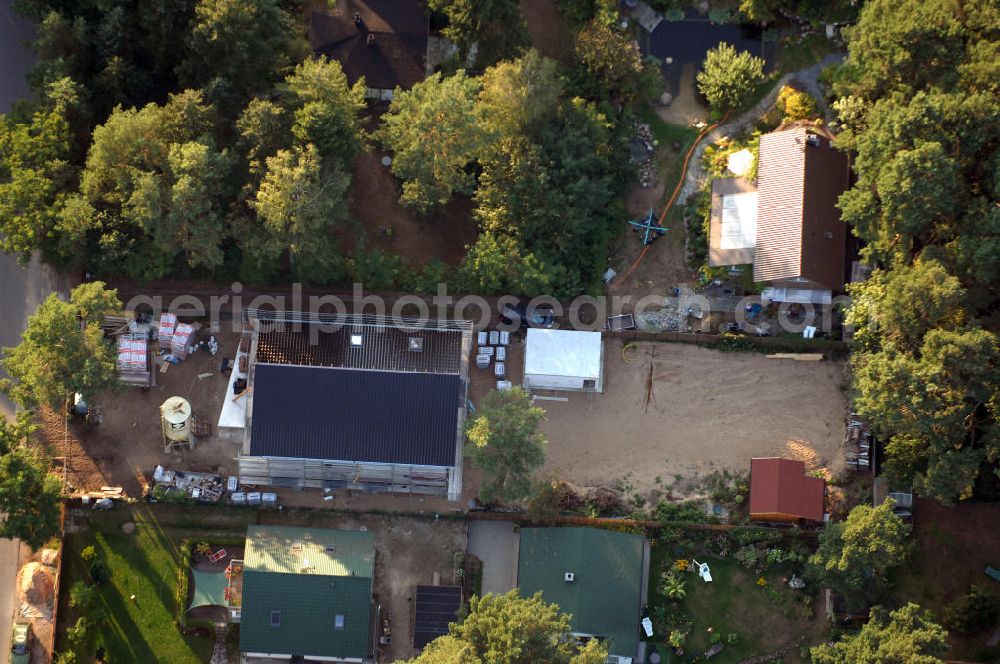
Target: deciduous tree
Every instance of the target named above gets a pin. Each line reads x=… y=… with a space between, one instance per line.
x=505 y=443
x=297 y=206
x=509 y=629
x=728 y=76
x=326 y=110
x=905 y=636
x=492 y=29
x=63 y=350
x=435 y=135
x=30 y=497
x=856 y=555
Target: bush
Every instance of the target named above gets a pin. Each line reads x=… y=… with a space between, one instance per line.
x=89 y=554
x=973 y=612
x=689 y=511
x=100 y=572
x=796 y=105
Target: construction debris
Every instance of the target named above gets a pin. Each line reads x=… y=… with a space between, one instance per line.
x=202 y=487
x=798 y=357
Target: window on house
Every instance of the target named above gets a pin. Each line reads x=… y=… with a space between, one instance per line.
x=338 y=621
x=275 y=618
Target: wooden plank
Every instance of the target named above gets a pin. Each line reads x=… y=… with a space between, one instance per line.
x=798 y=357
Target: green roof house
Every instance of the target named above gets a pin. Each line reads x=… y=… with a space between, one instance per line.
x=596 y=576
x=307 y=592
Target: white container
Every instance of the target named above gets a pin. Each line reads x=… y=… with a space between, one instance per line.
x=175 y=418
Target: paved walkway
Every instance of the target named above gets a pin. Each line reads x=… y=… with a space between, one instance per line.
x=806 y=78
x=495 y=543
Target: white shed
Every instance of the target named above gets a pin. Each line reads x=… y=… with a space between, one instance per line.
x=564 y=360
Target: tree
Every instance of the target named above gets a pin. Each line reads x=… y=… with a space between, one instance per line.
x=154 y=188
x=905 y=636
x=326 y=110
x=856 y=555
x=520 y=96
x=509 y=629
x=35 y=174
x=297 y=207
x=492 y=29
x=236 y=48
x=547 y=196
x=63 y=350
x=30 y=497
x=611 y=65
x=264 y=128
x=505 y=443
x=728 y=76
x=434 y=134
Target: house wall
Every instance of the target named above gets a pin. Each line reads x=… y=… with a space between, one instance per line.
x=251 y=656
x=774 y=516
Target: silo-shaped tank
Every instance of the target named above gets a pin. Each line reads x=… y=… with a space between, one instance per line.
x=175 y=417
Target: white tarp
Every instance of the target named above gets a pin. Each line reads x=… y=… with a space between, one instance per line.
x=232 y=417
x=739 y=221
x=563 y=359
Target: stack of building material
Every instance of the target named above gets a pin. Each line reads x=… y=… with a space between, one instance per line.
x=179 y=342
x=168 y=322
x=131 y=353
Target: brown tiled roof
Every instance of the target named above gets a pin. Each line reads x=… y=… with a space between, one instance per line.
x=799 y=233
x=395 y=54
x=781 y=486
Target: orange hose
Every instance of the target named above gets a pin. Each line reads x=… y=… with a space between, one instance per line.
x=673 y=197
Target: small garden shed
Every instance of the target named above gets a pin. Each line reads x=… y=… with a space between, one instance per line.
x=781 y=491
x=564 y=360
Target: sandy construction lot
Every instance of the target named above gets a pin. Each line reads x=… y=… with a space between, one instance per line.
x=706 y=410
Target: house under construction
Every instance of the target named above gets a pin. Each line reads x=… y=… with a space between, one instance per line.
x=355 y=402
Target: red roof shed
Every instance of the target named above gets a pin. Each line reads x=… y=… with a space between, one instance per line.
x=780 y=490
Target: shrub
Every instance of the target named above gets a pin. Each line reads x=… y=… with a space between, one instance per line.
x=100 y=572
x=975 y=611
x=796 y=105
x=89 y=554
x=688 y=511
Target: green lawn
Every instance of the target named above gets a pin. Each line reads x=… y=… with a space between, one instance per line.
x=144 y=564
x=764 y=619
x=801 y=52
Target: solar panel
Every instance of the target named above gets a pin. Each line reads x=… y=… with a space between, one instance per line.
x=436 y=607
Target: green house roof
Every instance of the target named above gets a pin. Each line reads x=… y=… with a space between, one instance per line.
x=297 y=581
x=606 y=592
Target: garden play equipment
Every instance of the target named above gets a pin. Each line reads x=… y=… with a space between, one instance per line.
x=703 y=571
x=648 y=228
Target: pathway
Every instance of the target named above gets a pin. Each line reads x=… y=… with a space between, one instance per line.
x=806 y=78
x=495 y=543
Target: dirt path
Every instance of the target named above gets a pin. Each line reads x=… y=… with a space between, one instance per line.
x=806 y=78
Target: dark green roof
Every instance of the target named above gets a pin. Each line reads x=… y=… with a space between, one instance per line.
x=309 y=576
x=605 y=594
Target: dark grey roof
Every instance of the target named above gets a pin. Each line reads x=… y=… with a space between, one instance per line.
x=436 y=607
x=354 y=415
x=384 y=347
x=388 y=46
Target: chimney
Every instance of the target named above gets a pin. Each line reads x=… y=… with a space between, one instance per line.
x=357 y=18
x=371 y=39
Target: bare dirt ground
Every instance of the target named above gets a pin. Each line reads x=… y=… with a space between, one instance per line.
x=125 y=448
x=549 y=33
x=409 y=552
x=686 y=108
x=400 y=232
x=706 y=411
